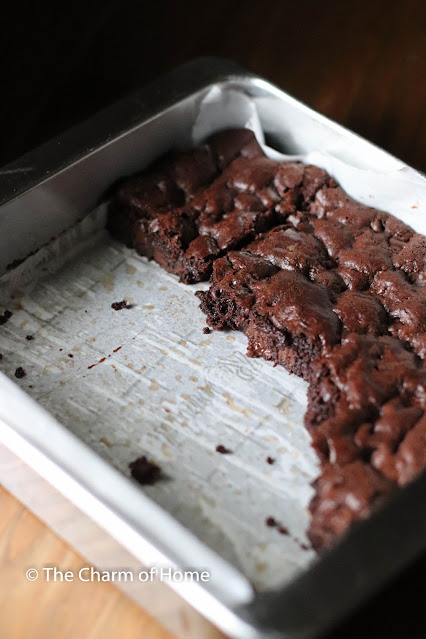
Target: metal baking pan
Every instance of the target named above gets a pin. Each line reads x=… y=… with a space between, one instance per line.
x=60 y=271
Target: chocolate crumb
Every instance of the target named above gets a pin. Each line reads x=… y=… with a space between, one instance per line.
x=144 y=471
x=70 y=355
x=304 y=547
x=207 y=330
x=1 y=356
x=30 y=386
x=282 y=530
x=118 y=306
x=223 y=450
x=6 y=315
x=271 y=522
x=20 y=373
x=29 y=338
x=270 y=460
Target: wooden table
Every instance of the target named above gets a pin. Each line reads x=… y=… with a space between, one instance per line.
x=361 y=63
x=45 y=610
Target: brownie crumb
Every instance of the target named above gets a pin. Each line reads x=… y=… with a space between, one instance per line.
x=118 y=306
x=6 y=315
x=282 y=530
x=144 y=471
x=207 y=330
x=271 y=522
x=223 y=450
x=270 y=460
x=29 y=338
x=20 y=373
x=70 y=355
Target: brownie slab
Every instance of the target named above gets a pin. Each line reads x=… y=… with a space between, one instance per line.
x=285 y=292
x=337 y=295
x=377 y=253
x=191 y=208
x=331 y=289
x=330 y=270
x=365 y=396
x=366 y=415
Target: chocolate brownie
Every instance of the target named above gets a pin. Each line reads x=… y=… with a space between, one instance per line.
x=365 y=396
x=287 y=295
x=344 y=495
x=192 y=208
x=329 y=271
x=331 y=289
x=336 y=295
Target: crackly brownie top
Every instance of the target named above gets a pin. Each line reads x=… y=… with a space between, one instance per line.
x=175 y=178
x=190 y=208
x=357 y=253
x=251 y=195
x=348 y=279
x=365 y=396
x=344 y=494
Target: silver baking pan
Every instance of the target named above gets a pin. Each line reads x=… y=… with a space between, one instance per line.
x=148 y=381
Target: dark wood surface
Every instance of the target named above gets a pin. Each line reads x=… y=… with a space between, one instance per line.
x=361 y=63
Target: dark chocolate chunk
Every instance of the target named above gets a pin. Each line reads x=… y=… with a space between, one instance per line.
x=19 y=373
